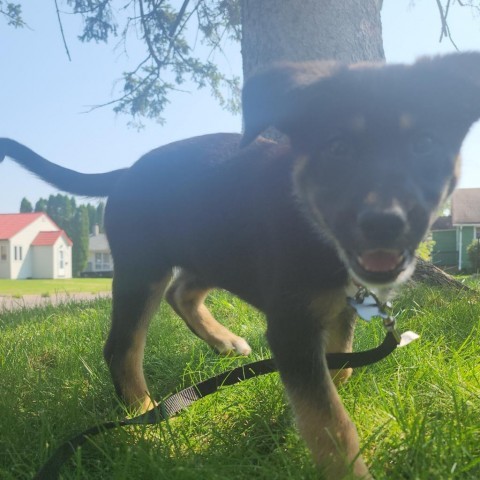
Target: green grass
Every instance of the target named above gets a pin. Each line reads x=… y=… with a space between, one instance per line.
x=417 y=412
x=18 y=288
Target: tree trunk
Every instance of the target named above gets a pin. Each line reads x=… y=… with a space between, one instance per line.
x=428 y=273
x=300 y=30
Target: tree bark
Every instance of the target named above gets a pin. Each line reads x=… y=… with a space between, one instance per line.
x=429 y=274
x=301 y=30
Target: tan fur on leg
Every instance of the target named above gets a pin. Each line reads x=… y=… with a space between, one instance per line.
x=330 y=435
x=339 y=324
x=339 y=339
x=125 y=346
x=186 y=295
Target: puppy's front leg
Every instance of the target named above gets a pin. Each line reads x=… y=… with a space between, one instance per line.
x=297 y=335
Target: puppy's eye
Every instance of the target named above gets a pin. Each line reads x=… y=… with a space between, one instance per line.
x=423 y=144
x=339 y=148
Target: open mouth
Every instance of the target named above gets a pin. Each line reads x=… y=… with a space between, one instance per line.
x=380 y=265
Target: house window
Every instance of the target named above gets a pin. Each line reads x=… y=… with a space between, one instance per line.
x=3 y=253
x=18 y=253
x=98 y=261
x=106 y=261
x=102 y=262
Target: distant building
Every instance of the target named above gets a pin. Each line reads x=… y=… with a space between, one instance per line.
x=100 y=261
x=452 y=235
x=33 y=246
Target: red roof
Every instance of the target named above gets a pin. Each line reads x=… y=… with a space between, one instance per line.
x=12 y=223
x=49 y=238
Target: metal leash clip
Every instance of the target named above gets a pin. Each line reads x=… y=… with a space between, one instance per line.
x=367 y=305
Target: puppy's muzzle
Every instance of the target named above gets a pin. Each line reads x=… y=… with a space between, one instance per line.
x=384 y=253
x=382 y=228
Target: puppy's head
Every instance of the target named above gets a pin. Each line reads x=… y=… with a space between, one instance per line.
x=376 y=149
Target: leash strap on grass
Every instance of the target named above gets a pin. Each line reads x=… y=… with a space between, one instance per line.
x=184 y=398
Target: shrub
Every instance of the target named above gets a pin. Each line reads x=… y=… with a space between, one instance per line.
x=424 y=250
x=473 y=251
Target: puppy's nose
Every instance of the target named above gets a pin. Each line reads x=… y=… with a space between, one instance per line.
x=382 y=226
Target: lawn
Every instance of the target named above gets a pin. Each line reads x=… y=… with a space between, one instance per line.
x=18 y=288
x=417 y=412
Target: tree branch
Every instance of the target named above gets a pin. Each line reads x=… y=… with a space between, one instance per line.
x=179 y=17
x=61 y=31
x=146 y=36
x=145 y=81
x=445 y=31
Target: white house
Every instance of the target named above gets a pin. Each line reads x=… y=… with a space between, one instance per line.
x=33 y=246
x=100 y=262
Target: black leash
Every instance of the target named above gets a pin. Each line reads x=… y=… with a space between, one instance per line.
x=183 y=399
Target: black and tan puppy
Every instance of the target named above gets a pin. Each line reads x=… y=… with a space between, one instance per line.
x=372 y=153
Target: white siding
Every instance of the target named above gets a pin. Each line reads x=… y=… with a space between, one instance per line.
x=42 y=262
x=24 y=267
x=99 y=256
x=62 y=246
x=46 y=263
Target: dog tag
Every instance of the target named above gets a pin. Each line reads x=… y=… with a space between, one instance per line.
x=367 y=307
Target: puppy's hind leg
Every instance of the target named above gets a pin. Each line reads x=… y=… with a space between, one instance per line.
x=186 y=295
x=135 y=300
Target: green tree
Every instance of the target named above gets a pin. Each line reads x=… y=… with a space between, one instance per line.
x=41 y=205
x=61 y=209
x=25 y=206
x=424 y=250
x=170 y=32
x=12 y=13
x=100 y=213
x=92 y=217
x=169 y=58
x=473 y=252
x=79 y=237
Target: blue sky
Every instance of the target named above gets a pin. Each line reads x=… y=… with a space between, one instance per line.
x=44 y=97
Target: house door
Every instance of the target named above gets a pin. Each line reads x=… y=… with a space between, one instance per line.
x=61 y=264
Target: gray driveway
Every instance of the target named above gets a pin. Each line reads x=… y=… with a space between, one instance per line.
x=30 y=301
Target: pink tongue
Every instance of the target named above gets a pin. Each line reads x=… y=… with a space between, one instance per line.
x=379 y=260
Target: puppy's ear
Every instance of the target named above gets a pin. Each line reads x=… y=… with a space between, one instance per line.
x=465 y=66
x=461 y=74
x=276 y=96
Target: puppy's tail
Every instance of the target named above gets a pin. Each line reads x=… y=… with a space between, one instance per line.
x=88 y=185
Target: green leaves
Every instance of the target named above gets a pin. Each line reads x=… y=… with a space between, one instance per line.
x=180 y=40
x=12 y=13
x=170 y=36
x=98 y=18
